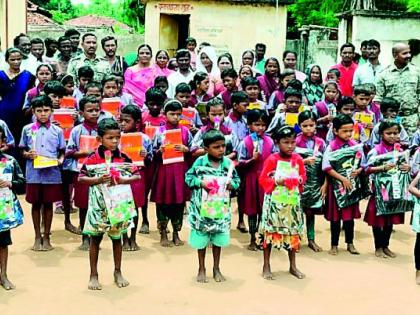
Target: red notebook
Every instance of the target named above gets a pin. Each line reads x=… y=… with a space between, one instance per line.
x=170 y=139
x=131 y=144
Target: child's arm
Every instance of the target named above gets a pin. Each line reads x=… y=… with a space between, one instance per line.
x=326 y=167
x=128 y=180
x=266 y=179
x=147 y=151
x=18 y=180
x=413 y=186
x=27 y=153
x=196 y=146
x=191 y=178
x=185 y=148
x=91 y=181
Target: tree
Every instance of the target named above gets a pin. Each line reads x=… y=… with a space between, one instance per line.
x=316 y=12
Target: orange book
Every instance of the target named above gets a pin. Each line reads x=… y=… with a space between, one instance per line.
x=111 y=105
x=68 y=102
x=150 y=131
x=131 y=144
x=65 y=118
x=170 y=139
x=87 y=143
x=187 y=117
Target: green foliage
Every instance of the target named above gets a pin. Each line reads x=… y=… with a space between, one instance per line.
x=413 y=5
x=316 y=12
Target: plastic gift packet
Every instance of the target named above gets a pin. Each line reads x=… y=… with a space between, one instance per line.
x=215 y=203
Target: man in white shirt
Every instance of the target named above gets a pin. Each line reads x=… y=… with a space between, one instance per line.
x=35 y=57
x=184 y=74
x=368 y=72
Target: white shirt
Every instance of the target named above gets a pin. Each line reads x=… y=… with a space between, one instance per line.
x=176 y=78
x=366 y=73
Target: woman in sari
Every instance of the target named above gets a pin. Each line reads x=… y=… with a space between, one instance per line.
x=207 y=63
x=224 y=62
x=269 y=82
x=140 y=77
x=14 y=84
x=313 y=89
x=161 y=64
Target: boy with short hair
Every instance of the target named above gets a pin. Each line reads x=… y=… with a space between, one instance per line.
x=155 y=99
x=361 y=98
x=42 y=146
x=211 y=175
x=84 y=76
x=11 y=180
x=229 y=78
x=183 y=95
x=235 y=119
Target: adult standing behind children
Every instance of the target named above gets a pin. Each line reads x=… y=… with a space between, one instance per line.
x=99 y=65
x=401 y=80
x=346 y=67
x=140 y=77
x=289 y=62
x=117 y=63
x=368 y=72
x=184 y=74
x=64 y=56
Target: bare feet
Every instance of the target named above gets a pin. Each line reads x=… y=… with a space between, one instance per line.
x=201 y=276
x=418 y=277
x=253 y=246
x=333 y=251
x=85 y=244
x=267 y=275
x=389 y=253
x=295 y=272
x=59 y=210
x=242 y=228
x=380 y=253
x=72 y=229
x=94 y=283
x=6 y=284
x=164 y=242
x=134 y=246
x=217 y=275
x=37 y=245
x=126 y=245
x=119 y=280
x=352 y=250
x=46 y=244
x=314 y=246
x=177 y=241
x=144 y=228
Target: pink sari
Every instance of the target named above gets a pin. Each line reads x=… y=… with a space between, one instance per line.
x=138 y=81
x=165 y=72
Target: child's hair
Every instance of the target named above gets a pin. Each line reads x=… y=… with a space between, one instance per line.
x=66 y=78
x=389 y=102
x=361 y=89
x=335 y=71
x=247 y=81
x=292 y=92
x=155 y=95
x=212 y=136
x=3 y=133
x=331 y=83
x=109 y=78
x=93 y=84
x=255 y=115
x=44 y=65
x=41 y=101
x=386 y=124
x=197 y=79
x=342 y=120
x=295 y=84
x=85 y=71
x=286 y=73
x=172 y=105
x=238 y=97
x=215 y=101
x=190 y=40
x=85 y=100
x=54 y=87
x=345 y=100
x=161 y=79
x=183 y=88
x=371 y=87
x=231 y=73
x=305 y=115
x=132 y=110
x=107 y=124
x=283 y=132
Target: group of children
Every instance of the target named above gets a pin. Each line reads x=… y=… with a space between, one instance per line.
x=284 y=160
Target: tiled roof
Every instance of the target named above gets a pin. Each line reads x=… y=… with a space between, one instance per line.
x=96 y=21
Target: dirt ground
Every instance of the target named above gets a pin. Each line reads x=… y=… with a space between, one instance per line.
x=162 y=280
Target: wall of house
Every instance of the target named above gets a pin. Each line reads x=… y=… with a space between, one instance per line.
x=228 y=27
x=12 y=21
x=386 y=27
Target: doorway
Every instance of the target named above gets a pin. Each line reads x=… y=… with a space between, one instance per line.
x=173 y=32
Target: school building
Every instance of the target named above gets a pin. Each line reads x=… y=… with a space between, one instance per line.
x=12 y=21
x=232 y=26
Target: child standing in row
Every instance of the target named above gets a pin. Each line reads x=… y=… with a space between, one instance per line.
x=97 y=220
x=169 y=191
x=11 y=179
x=253 y=150
x=215 y=174
x=130 y=121
x=326 y=109
x=282 y=179
x=42 y=142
